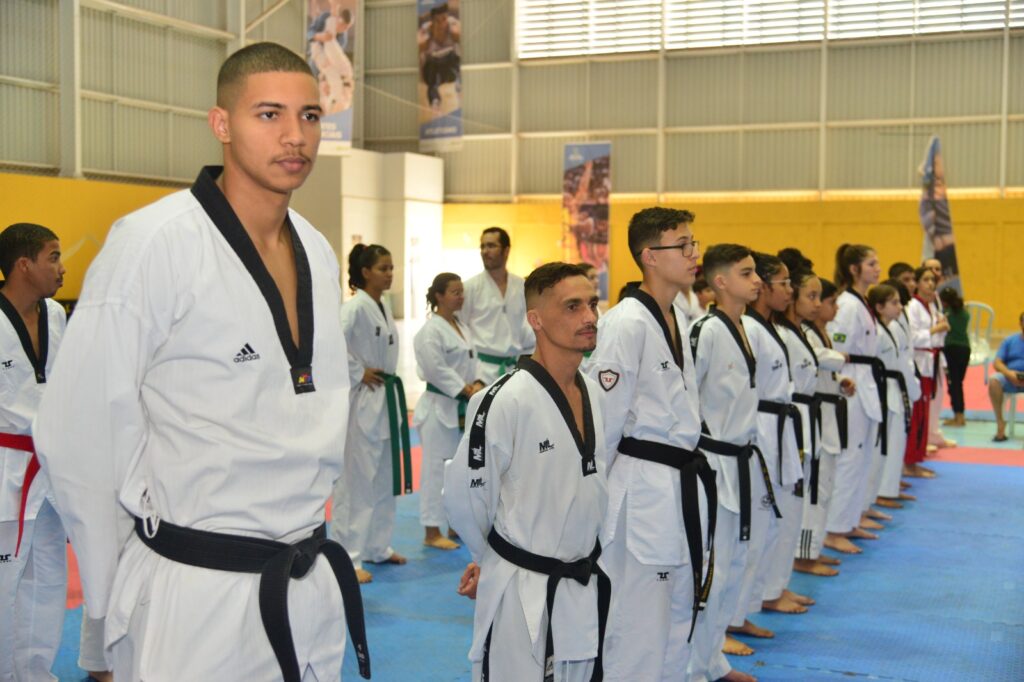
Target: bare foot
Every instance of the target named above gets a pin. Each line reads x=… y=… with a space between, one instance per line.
x=104 y=676
x=878 y=515
x=395 y=558
x=798 y=598
x=751 y=630
x=918 y=471
x=440 y=543
x=735 y=647
x=829 y=560
x=841 y=544
x=862 y=534
x=908 y=497
x=783 y=605
x=868 y=524
x=888 y=503
x=738 y=676
x=452 y=535
x=903 y=484
x=814 y=568
x=363 y=576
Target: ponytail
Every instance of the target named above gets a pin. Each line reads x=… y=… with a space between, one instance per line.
x=439 y=286
x=848 y=256
x=363 y=256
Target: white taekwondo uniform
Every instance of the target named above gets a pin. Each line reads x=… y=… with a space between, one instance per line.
x=524 y=480
x=33 y=574
x=830 y=442
x=363 y=517
x=656 y=488
x=853 y=332
x=726 y=376
x=445 y=359
x=181 y=399
x=497 y=323
x=894 y=349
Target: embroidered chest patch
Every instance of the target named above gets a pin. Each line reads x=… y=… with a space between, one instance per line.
x=608 y=378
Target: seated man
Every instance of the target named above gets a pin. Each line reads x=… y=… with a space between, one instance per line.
x=1009 y=376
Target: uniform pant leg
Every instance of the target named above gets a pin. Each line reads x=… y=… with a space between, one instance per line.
x=778 y=568
x=355 y=495
x=42 y=597
x=935 y=436
x=815 y=516
x=764 y=531
x=845 y=504
x=382 y=519
x=874 y=477
x=706 y=658
x=892 y=467
x=12 y=568
x=90 y=644
x=439 y=444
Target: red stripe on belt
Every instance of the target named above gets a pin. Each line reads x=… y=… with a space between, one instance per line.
x=25 y=444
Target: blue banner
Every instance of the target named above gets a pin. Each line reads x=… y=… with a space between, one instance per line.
x=330 y=46
x=935 y=217
x=586 y=194
x=439 y=90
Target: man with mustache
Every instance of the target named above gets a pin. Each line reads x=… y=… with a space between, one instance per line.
x=33 y=572
x=526 y=491
x=195 y=424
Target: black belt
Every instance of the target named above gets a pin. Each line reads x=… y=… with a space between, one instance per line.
x=691 y=466
x=878 y=373
x=901 y=381
x=743 y=453
x=557 y=570
x=813 y=402
x=277 y=563
x=782 y=412
x=936 y=368
x=842 y=416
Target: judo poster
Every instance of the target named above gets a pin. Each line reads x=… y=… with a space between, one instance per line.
x=330 y=46
x=439 y=91
x=935 y=217
x=586 y=189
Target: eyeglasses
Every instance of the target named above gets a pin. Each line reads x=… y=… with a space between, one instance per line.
x=687 y=249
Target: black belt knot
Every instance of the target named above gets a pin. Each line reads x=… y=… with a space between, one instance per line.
x=744 y=453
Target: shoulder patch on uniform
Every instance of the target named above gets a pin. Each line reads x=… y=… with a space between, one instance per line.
x=839 y=338
x=608 y=378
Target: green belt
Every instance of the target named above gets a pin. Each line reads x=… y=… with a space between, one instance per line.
x=398 y=423
x=462 y=400
x=505 y=365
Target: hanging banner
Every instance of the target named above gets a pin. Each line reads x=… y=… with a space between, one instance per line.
x=935 y=217
x=439 y=91
x=330 y=46
x=586 y=189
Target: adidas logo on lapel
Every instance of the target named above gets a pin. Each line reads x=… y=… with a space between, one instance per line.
x=246 y=354
x=545 y=446
x=608 y=378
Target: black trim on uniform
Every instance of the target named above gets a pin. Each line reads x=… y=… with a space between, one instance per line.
x=42 y=329
x=478 y=427
x=785 y=322
x=756 y=317
x=747 y=355
x=216 y=206
x=652 y=307
x=586 y=442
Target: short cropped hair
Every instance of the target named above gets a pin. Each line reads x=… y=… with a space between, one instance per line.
x=547 y=276
x=503 y=237
x=897 y=270
x=22 y=240
x=646 y=226
x=721 y=256
x=253 y=59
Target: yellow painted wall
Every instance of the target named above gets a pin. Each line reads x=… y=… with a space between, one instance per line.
x=989 y=233
x=79 y=211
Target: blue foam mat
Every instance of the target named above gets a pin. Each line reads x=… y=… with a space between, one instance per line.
x=939 y=598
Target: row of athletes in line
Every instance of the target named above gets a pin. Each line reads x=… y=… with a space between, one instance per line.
x=746 y=442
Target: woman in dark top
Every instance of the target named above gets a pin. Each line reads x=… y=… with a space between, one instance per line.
x=957 y=351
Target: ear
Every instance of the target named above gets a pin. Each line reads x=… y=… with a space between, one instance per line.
x=218 y=120
x=647 y=257
x=533 y=318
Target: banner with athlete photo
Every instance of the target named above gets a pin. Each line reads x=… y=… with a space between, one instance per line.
x=586 y=189
x=330 y=46
x=439 y=91
x=935 y=216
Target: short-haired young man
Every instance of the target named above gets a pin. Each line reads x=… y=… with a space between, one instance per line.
x=527 y=493
x=33 y=572
x=726 y=371
x=195 y=421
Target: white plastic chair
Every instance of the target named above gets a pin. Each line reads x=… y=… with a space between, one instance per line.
x=979 y=332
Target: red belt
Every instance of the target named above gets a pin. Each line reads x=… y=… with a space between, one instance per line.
x=25 y=444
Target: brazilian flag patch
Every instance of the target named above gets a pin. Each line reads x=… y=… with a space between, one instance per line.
x=839 y=338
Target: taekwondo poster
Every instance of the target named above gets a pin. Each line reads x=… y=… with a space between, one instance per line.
x=935 y=216
x=586 y=189
x=330 y=46
x=439 y=91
